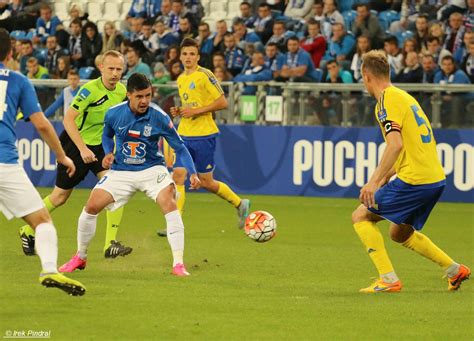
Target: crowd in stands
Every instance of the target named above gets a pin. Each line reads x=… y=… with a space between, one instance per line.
x=427 y=41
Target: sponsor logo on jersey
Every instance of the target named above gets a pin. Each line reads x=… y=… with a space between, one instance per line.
x=134 y=133
x=213 y=80
x=192 y=86
x=134 y=152
x=147 y=130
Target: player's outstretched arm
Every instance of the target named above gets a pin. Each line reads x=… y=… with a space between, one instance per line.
x=389 y=157
x=70 y=126
x=48 y=134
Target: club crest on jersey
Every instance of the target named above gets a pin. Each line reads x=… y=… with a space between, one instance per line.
x=192 y=86
x=134 y=152
x=147 y=130
x=382 y=115
x=134 y=133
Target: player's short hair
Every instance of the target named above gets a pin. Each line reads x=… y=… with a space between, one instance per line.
x=5 y=44
x=72 y=72
x=189 y=42
x=137 y=82
x=376 y=62
x=112 y=53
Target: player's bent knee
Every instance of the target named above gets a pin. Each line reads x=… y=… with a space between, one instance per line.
x=166 y=199
x=39 y=217
x=93 y=208
x=400 y=233
x=359 y=215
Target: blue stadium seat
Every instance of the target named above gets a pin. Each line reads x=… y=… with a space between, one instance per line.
x=85 y=72
x=318 y=75
x=349 y=17
x=402 y=36
x=42 y=54
x=30 y=35
x=387 y=17
x=18 y=35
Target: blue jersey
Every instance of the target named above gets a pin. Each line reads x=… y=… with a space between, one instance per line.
x=137 y=138
x=16 y=92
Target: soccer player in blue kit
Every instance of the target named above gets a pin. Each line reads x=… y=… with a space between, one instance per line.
x=18 y=197
x=136 y=165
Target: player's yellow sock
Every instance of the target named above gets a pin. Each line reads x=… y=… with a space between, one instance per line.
x=226 y=193
x=49 y=206
x=181 y=198
x=423 y=245
x=372 y=239
x=113 y=222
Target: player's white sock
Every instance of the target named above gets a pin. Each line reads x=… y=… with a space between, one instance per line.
x=452 y=270
x=47 y=247
x=175 y=233
x=85 y=232
x=390 y=277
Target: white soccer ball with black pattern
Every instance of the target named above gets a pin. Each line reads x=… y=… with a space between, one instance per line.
x=260 y=226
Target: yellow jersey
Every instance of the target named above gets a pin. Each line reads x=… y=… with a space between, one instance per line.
x=418 y=162
x=198 y=89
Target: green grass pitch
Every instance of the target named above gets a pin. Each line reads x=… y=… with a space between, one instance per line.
x=302 y=285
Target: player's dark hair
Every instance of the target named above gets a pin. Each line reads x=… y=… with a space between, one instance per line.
x=137 y=82
x=264 y=4
x=189 y=42
x=5 y=44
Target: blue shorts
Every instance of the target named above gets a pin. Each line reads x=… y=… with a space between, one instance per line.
x=402 y=203
x=202 y=152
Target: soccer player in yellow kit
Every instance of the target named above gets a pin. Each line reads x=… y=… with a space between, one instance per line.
x=201 y=95
x=407 y=201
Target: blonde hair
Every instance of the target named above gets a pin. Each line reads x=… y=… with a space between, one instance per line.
x=376 y=62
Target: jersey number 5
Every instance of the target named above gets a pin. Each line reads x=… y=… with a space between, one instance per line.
x=421 y=122
x=3 y=98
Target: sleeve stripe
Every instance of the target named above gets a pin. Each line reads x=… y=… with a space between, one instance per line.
x=210 y=75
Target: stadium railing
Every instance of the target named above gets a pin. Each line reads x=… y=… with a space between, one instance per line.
x=447 y=105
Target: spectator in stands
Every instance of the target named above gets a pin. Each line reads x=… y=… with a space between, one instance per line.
x=64 y=65
x=295 y=11
x=469 y=15
x=135 y=29
x=436 y=30
x=246 y=15
x=222 y=75
x=256 y=72
x=394 y=54
x=467 y=64
x=64 y=100
x=14 y=62
x=244 y=37
x=273 y=58
x=91 y=44
x=452 y=104
x=218 y=61
x=277 y=6
x=221 y=30
x=54 y=52
x=454 y=33
x=297 y=65
x=430 y=67
x=163 y=38
x=134 y=64
x=206 y=45
x=331 y=16
x=46 y=24
x=144 y=9
x=196 y=9
x=317 y=12
x=111 y=38
x=337 y=75
x=412 y=72
x=145 y=35
x=340 y=46
x=171 y=55
x=74 y=44
x=164 y=14
x=409 y=45
x=280 y=35
x=27 y=52
x=17 y=16
x=264 y=22
x=76 y=12
x=462 y=51
x=175 y=69
x=436 y=50
x=36 y=71
x=234 y=56
x=160 y=76
x=368 y=24
x=421 y=32
x=410 y=10
x=314 y=42
x=179 y=11
x=185 y=30
x=363 y=46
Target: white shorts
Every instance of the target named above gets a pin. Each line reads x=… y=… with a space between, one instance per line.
x=122 y=185
x=18 y=196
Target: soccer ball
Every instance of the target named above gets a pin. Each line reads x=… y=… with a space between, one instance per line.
x=260 y=226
